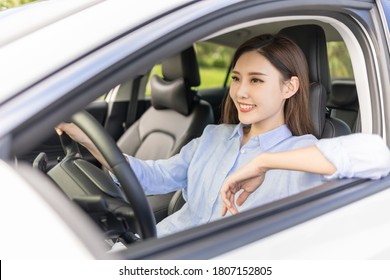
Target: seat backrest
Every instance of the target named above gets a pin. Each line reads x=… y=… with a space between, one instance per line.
x=311 y=39
x=176 y=116
x=343 y=102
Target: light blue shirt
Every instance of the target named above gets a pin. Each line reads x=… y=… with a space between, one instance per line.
x=203 y=164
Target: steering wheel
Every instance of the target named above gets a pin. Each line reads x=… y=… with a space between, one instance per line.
x=121 y=169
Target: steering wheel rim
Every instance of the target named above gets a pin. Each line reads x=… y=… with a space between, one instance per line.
x=121 y=169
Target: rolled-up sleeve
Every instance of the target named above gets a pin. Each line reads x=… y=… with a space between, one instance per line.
x=163 y=176
x=356 y=156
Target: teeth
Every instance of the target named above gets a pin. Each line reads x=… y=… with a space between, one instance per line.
x=246 y=107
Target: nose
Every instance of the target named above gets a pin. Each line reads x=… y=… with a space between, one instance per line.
x=242 y=91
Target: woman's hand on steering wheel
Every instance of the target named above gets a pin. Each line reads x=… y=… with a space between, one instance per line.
x=74 y=132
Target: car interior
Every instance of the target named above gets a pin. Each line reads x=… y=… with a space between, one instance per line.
x=157 y=125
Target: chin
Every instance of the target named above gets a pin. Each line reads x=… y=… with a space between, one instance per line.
x=245 y=122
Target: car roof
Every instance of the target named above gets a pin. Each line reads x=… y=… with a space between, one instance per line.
x=20 y=21
x=47 y=31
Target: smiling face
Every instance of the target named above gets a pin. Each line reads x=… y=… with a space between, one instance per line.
x=259 y=93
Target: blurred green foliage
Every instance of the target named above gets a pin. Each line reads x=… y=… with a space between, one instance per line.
x=340 y=64
x=5 y=4
x=213 y=55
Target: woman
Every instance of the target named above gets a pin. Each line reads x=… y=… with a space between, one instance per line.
x=344 y=157
x=266 y=124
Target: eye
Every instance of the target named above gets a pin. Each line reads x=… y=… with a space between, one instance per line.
x=256 y=81
x=235 y=79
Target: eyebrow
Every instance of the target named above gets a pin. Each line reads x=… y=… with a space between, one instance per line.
x=250 y=73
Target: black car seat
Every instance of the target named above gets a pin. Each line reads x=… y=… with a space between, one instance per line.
x=343 y=102
x=311 y=39
x=176 y=116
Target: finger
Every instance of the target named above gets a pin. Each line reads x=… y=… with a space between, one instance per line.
x=61 y=127
x=226 y=196
x=233 y=209
x=58 y=130
x=224 y=210
x=225 y=199
x=242 y=198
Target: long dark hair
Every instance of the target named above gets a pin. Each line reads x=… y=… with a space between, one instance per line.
x=289 y=59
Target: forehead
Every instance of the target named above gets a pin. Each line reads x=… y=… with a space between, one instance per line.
x=253 y=61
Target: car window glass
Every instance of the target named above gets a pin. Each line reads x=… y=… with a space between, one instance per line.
x=214 y=61
x=340 y=64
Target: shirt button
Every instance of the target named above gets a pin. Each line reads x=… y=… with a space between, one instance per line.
x=224 y=173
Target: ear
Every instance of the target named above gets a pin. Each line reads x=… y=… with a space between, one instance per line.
x=291 y=87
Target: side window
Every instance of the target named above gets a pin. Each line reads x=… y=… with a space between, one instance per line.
x=340 y=64
x=343 y=100
x=214 y=61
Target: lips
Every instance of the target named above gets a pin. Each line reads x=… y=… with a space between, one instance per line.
x=246 y=107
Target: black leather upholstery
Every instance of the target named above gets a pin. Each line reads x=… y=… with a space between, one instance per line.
x=318 y=108
x=169 y=95
x=311 y=39
x=343 y=102
x=175 y=117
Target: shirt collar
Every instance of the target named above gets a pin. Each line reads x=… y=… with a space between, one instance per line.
x=238 y=131
x=266 y=140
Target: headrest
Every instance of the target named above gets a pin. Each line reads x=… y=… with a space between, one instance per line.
x=344 y=95
x=170 y=95
x=183 y=65
x=174 y=90
x=311 y=39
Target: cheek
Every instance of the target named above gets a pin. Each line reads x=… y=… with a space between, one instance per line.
x=272 y=94
x=276 y=102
